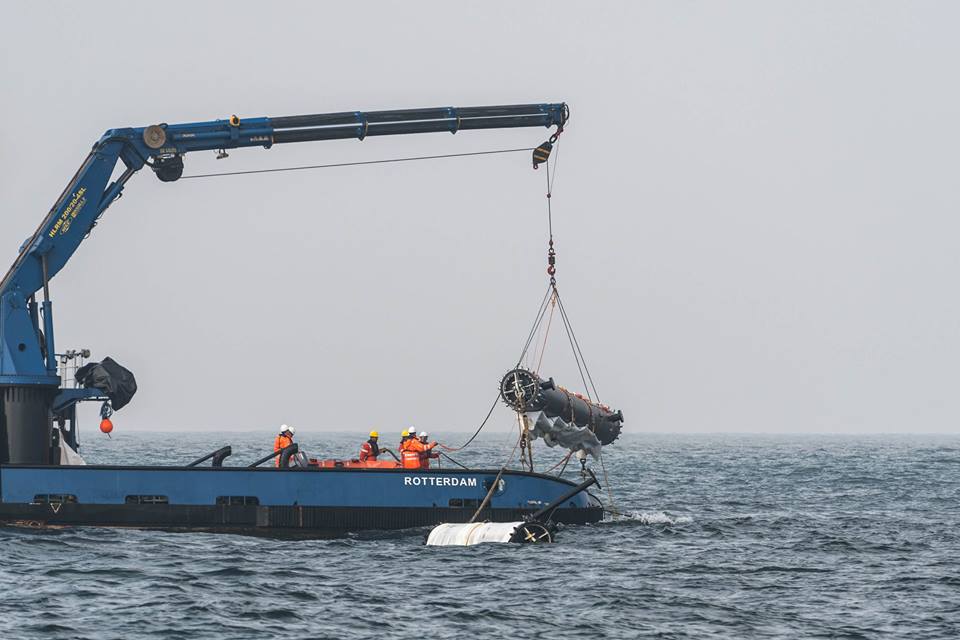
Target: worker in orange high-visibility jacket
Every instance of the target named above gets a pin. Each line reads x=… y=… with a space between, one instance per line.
x=427 y=455
x=422 y=449
x=404 y=437
x=370 y=449
x=409 y=456
x=283 y=440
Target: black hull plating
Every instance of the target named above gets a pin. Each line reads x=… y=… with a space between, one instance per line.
x=293 y=521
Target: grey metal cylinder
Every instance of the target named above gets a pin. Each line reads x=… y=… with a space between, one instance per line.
x=25 y=424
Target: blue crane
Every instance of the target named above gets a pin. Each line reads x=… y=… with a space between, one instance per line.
x=30 y=384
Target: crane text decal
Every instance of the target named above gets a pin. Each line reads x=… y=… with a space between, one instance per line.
x=70 y=212
x=440 y=482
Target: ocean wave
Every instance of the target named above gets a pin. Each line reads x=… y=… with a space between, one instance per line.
x=658 y=517
x=712 y=538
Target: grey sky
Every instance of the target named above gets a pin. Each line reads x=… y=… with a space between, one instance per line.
x=755 y=211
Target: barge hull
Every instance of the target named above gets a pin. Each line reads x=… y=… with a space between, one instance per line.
x=294 y=521
x=314 y=502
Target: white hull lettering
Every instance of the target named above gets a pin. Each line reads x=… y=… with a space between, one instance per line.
x=430 y=481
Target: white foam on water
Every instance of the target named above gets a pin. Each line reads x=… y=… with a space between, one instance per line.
x=658 y=517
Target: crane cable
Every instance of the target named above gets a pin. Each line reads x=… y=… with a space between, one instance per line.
x=571 y=335
x=552 y=272
x=554 y=139
x=523 y=353
x=386 y=161
x=550 y=298
x=356 y=164
x=546 y=335
x=554 y=299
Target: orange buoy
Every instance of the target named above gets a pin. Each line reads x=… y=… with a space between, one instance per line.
x=106 y=426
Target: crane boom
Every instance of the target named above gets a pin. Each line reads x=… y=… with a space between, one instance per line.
x=26 y=326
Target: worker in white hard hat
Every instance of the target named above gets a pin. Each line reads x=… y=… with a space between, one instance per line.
x=423 y=449
x=283 y=440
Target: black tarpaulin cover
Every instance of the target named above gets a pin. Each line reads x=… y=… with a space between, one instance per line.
x=111 y=378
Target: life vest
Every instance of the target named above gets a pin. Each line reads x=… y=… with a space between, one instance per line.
x=410 y=459
x=413 y=444
x=282 y=442
x=369 y=451
x=423 y=451
x=425 y=459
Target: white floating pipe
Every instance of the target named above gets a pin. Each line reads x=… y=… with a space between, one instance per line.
x=463 y=535
x=471 y=533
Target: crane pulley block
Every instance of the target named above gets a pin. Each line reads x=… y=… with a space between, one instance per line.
x=542 y=153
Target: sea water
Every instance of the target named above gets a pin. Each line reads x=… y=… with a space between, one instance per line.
x=728 y=536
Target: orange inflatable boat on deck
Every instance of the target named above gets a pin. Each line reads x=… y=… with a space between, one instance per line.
x=355 y=464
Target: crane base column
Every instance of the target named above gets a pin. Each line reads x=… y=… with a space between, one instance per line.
x=25 y=423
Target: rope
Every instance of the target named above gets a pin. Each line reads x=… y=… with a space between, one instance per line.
x=493 y=406
x=556 y=163
x=496 y=483
x=563 y=313
x=532 y=355
x=576 y=357
x=563 y=461
x=355 y=164
x=536 y=324
x=548 y=296
x=551 y=270
x=606 y=483
x=525 y=442
x=551 y=253
x=549 y=199
x=560 y=475
x=477 y=432
x=543 y=349
x=454 y=461
x=568 y=326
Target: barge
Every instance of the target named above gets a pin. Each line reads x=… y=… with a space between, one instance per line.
x=43 y=481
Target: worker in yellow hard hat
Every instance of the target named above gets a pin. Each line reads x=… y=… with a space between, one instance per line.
x=370 y=449
x=404 y=438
